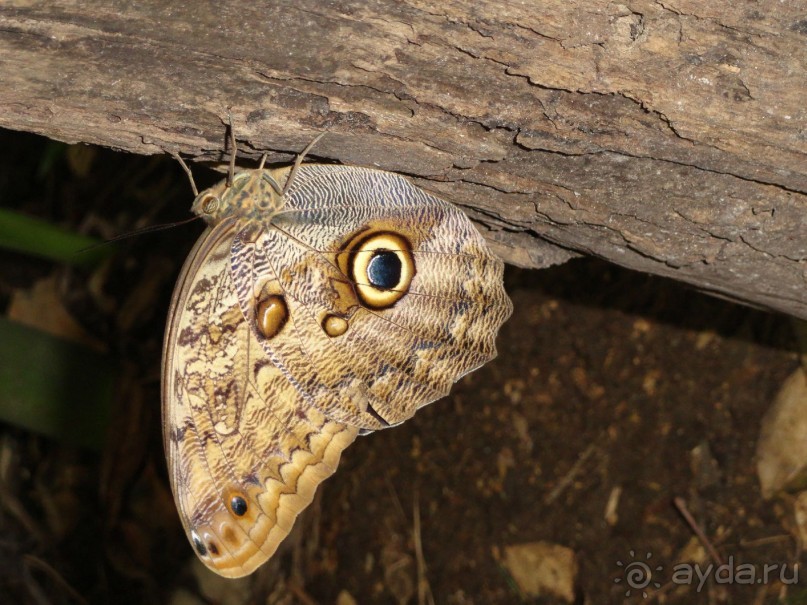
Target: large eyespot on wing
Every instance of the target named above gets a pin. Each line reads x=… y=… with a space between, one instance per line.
x=267 y=271
x=391 y=291
x=245 y=450
x=380 y=265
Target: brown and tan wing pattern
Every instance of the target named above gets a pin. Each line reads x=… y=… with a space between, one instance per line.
x=367 y=346
x=297 y=322
x=246 y=451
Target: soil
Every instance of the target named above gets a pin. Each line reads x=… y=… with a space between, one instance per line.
x=619 y=404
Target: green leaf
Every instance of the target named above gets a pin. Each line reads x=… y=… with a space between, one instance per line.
x=54 y=387
x=31 y=236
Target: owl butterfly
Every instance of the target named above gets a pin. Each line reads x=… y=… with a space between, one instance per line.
x=322 y=302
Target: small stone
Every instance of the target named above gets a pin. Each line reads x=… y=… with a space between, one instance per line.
x=782 y=446
x=345 y=598
x=542 y=568
x=705 y=468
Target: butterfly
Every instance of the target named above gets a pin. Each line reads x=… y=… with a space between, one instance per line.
x=322 y=302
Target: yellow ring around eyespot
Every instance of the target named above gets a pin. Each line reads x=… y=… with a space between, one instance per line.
x=373 y=296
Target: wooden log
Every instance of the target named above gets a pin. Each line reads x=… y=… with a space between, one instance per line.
x=665 y=137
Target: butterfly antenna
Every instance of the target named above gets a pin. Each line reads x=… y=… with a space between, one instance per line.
x=234 y=149
x=187 y=171
x=299 y=161
x=143 y=231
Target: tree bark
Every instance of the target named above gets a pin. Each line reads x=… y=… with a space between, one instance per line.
x=668 y=137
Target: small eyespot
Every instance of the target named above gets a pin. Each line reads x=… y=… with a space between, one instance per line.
x=198 y=544
x=238 y=505
x=334 y=326
x=271 y=314
x=213 y=549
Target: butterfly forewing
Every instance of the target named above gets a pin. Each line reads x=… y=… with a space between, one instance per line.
x=391 y=358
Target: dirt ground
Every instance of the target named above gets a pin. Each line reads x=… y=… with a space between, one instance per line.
x=615 y=396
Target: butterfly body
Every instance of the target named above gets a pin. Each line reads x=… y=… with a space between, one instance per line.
x=253 y=195
x=307 y=313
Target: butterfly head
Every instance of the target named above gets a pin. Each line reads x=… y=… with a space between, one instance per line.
x=251 y=194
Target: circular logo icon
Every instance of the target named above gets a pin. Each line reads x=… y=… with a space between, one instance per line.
x=638 y=574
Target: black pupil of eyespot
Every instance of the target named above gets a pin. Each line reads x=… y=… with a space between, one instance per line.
x=200 y=548
x=239 y=505
x=384 y=269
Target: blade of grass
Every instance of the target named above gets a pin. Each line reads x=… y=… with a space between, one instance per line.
x=31 y=236
x=54 y=387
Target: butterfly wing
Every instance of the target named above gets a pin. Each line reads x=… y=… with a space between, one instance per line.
x=365 y=299
x=389 y=294
x=245 y=449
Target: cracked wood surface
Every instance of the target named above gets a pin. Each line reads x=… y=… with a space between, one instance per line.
x=668 y=137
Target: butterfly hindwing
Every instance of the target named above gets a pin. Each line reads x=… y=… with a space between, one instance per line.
x=245 y=450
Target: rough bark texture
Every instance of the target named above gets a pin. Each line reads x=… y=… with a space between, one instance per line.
x=667 y=137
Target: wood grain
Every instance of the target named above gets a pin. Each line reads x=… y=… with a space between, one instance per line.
x=665 y=137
